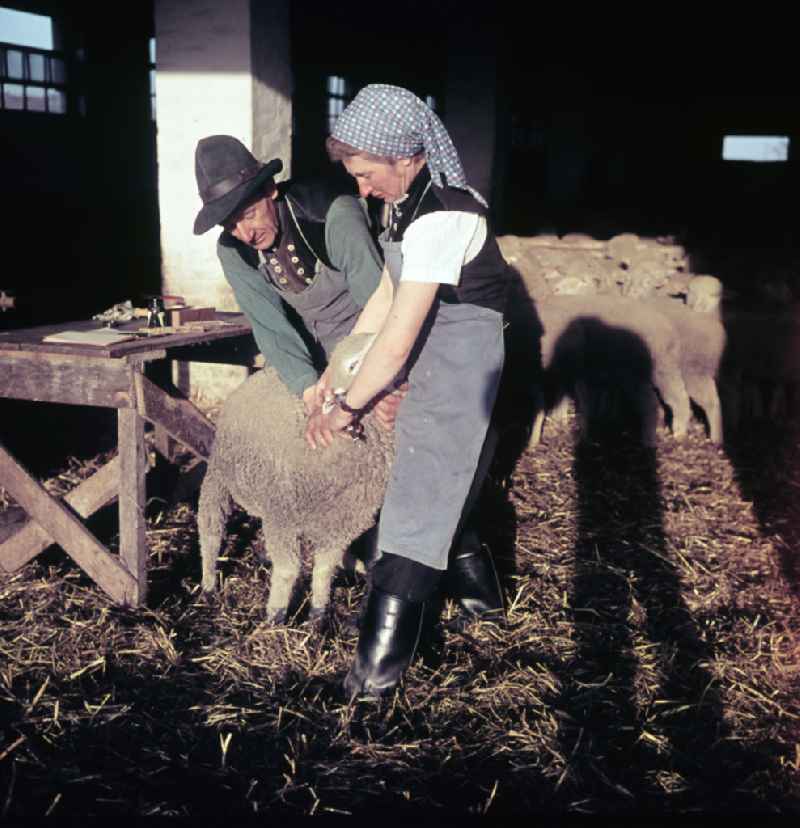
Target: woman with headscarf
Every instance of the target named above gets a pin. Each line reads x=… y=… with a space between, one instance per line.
x=438 y=315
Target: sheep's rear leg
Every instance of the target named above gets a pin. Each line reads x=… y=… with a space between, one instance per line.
x=284 y=551
x=703 y=390
x=326 y=560
x=213 y=510
x=538 y=421
x=672 y=391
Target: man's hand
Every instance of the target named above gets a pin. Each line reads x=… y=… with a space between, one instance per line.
x=386 y=408
x=315 y=395
x=321 y=428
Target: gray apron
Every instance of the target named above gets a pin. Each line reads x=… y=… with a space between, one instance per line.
x=326 y=306
x=440 y=428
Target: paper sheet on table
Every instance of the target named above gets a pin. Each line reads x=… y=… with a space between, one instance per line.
x=99 y=336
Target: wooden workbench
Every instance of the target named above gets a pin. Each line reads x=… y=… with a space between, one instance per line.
x=114 y=376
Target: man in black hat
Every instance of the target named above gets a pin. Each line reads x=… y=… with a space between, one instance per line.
x=299 y=257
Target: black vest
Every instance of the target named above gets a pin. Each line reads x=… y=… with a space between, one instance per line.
x=484 y=280
x=302 y=207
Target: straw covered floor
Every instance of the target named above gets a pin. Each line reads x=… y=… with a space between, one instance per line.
x=650 y=663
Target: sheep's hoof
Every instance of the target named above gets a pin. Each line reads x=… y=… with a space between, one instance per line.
x=205 y=597
x=319 y=619
x=277 y=617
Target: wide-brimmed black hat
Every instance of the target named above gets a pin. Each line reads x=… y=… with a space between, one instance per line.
x=227 y=175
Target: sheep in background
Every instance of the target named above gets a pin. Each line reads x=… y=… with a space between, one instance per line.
x=704 y=294
x=592 y=344
x=555 y=261
x=630 y=251
x=762 y=353
x=646 y=265
x=260 y=460
x=704 y=359
x=703 y=344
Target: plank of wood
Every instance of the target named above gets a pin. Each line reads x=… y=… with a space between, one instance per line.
x=77 y=380
x=177 y=416
x=240 y=350
x=132 y=498
x=67 y=531
x=29 y=539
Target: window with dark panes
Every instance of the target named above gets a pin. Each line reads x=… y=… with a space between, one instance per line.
x=152 y=69
x=340 y=93
x=33 y=76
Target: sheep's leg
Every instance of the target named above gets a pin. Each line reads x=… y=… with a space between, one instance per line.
x=703 y=390
x=538 y=421
x=560 y=411
x=326 y=560
x=214 y=508
x=537 y=428
x=284 y=551
x=673 y=393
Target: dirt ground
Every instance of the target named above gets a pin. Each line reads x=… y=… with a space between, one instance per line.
x=650 y=663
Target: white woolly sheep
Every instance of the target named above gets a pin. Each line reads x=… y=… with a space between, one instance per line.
x=704 y=358
x=607 y=343
x=327 y=498
x=702 y=347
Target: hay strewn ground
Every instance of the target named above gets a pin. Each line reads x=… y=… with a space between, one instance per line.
x=651 y=662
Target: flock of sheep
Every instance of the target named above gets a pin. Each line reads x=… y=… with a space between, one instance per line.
x=607 y=324
x=627 y=318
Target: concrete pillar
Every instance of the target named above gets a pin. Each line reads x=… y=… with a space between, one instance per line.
x=221 y=68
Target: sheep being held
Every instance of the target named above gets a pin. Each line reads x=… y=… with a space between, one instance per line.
x=261 y=461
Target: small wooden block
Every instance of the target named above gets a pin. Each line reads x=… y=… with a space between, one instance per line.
x=179 y=316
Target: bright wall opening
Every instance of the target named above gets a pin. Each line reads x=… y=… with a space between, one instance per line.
x=763 y=148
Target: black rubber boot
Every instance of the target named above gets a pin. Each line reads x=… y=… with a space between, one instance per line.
x=472 y=581
x=390 y=630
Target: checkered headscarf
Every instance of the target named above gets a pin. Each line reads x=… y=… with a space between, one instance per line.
x=388 y=120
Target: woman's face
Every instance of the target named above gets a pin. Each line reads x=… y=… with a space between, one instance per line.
x=383 y=180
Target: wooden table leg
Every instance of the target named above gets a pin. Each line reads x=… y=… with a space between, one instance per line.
x=68 y=532
x=132 y=497
x=29 y=539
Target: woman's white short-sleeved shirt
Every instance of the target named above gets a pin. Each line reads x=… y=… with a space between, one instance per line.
x=436 y=247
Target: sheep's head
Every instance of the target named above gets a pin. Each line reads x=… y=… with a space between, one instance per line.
x=624 y=248
x=704 y=293
x=347 y=358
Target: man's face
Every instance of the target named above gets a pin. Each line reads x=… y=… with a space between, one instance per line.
x=256 y=223
x=385 y=181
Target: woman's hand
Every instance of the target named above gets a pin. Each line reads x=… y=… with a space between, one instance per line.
x=386 y=408
x=321 y=428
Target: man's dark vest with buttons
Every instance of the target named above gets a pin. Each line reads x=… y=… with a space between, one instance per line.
x=302 y=207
